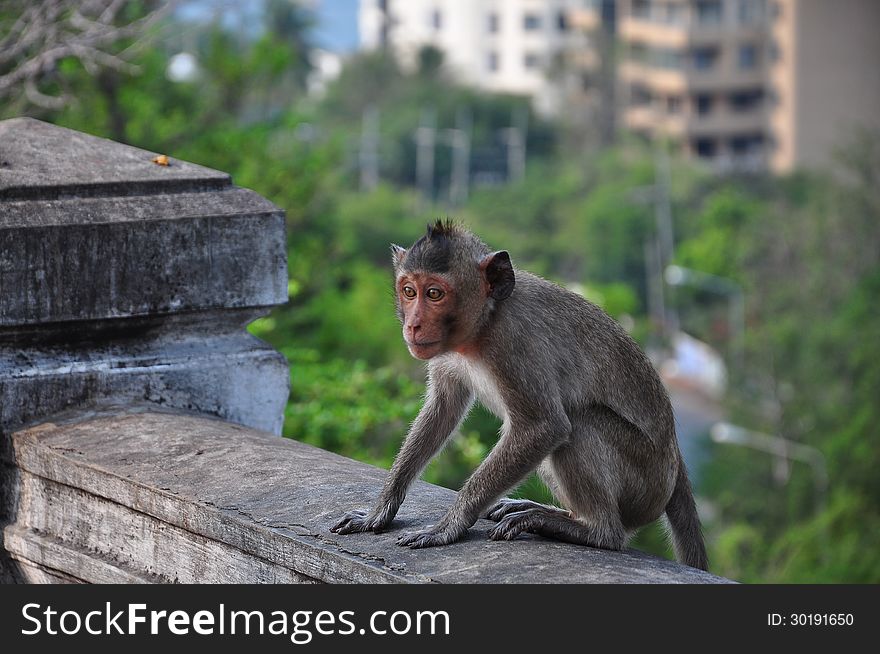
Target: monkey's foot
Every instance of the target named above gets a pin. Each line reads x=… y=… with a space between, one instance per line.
x=355 y=522
x=513 y=524
x=507 y=506
x=430 y=537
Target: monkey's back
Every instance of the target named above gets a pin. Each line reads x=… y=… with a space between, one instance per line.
x=568 y=346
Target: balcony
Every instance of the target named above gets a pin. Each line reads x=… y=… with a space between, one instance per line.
x=725 y=122
x=647 y=118
x=679 y=80
x=721 y=122
x=653 y=33
x=585 y=19
x=685 y=32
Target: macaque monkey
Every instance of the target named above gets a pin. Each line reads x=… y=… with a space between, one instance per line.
x=579 y=401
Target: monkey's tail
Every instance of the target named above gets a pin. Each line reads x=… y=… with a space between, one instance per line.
x=687 y=537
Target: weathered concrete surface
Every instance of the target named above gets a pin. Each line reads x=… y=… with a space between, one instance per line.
x=40 y=160
x=157 y=240
x=122 y=280
x=201 y=362
x=138 y=495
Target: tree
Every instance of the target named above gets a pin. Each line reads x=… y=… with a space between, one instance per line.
x=36 y=37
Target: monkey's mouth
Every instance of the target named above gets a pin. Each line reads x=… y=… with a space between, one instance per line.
x=419 y=349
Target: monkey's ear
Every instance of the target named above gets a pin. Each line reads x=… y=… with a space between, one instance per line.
x=498 y=273
x=397 y=255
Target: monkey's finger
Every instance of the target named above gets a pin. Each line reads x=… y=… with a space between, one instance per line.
x=508 y=528
x=500 y=510
x=348 y=522
x=414 y=539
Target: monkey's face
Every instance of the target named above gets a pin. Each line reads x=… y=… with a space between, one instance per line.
x=426 y=307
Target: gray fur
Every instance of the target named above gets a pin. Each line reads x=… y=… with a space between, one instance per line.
x=580 y=403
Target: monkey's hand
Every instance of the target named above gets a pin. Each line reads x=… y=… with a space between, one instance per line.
x=359 y=521
x=430 y=537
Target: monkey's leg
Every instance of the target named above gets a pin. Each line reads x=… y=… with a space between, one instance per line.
x=583 y=474
x=519 y=451
x=508 y=506
x=608 y=535
x=447 y=403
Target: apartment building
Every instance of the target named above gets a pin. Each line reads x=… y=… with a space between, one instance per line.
x=695 y=71
x=751 y=84
x=823 y=78
x=508 y=46
x=741 y=84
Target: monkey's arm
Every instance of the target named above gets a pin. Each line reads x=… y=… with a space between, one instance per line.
x=523 y=445
x=446 y=405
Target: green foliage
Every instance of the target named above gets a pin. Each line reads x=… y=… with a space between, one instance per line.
x=350 y=407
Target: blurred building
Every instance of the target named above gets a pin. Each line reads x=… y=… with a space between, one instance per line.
x=823 y=78
x=741 y=84
x=589 y=72
x=750 y=84
x=508 y=46
x=695 y=70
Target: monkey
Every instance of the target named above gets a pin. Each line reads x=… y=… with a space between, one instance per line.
x=579 y=401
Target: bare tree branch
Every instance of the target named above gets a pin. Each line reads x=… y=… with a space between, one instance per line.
x=36 y=35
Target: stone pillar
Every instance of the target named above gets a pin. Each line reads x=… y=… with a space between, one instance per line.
x=123 y=281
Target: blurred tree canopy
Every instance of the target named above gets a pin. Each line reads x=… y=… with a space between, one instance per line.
x=805 y=249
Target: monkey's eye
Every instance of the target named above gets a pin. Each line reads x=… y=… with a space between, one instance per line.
x=434 y=293
x=409 y=292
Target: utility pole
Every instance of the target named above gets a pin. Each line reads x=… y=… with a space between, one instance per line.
x=460 y=140
x=661 y=249
x=655 y=292
x=369 y=152
x=665 y=229
x=515 y=138
x=426 y=136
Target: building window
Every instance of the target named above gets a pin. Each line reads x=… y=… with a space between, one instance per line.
x=640 y=96
x=437 y=19
x=746 y=144
x=748 y=56
x=776 y=10
x=743 y=101
x=638 y=52
x=494 y=24
x=667 y=58
x=675 y=14
x=531 y=60
x=641 y=9
x=751 y=12
x=703 y=104
x=705 y=58
x=704 y=147
x=673 y=104
x=492 y=61
x=708 y=12
x=562 y=21
x=531 y=22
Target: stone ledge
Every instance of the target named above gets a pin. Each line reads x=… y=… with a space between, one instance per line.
x=41 y=161
x=94 y=230
x=140 y=495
